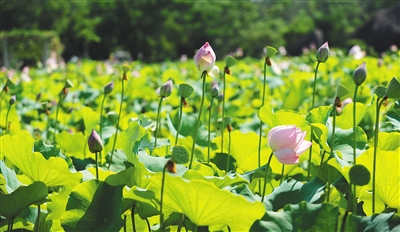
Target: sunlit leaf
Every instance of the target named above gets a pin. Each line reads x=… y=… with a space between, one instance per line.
x=52 y=172
x=345 y=120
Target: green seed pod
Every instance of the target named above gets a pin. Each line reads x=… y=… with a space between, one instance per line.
x=380 y=91
x=359 y=175
x=393 y=89
x=228 y=120
x=68 y=84
x=126 y=68
x=180 y=155
x=185 y=90
x=342 y=91
x=230 y=61
x=270 y=51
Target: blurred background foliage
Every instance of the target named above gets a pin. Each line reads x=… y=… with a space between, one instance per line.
x=159 y=30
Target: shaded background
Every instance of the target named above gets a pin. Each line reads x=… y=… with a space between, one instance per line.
x=158 y=30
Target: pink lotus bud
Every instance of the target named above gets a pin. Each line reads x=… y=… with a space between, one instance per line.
x=323 y=53
x=214 y=90
x=205 y=58
x=360 y=74
x=287 y=143
x=109 y=88
x=94 y=142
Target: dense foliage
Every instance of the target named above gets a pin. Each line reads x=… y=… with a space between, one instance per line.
x=159 y=30
x=50 y=180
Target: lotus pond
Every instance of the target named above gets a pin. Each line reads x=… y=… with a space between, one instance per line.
x=94 y=146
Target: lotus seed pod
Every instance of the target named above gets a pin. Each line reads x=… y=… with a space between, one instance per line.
x=185 y=90
x=270 y=51
x=230 y=61
x=228 y=120
x=126 y=68
x=180 y=155
x=393 y=89
x=323 y=53
x=359 y=175
x=94 y=142
x=109 y=88
x=360 y=74
x=342 y=91
x=68 y=84
x=112 y=116
x=380 y=91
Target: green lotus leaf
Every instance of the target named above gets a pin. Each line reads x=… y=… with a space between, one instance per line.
x=93 y=206
x=376 y=222
x=74 y=145
x=321 y=134
x=91 y=119
x=130 y=140
x=294 y=192
x=345 y=120
x=244 y=149
x=53 y=171
x=319 y=114
x=220 y=182
x=387 y=179
x=344 y=142
x=300 y=217
x=14 y=203
x=388 y=141
x=9 y=181
x=57 y=206
x=205 y=204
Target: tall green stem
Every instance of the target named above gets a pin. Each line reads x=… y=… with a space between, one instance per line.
x=133 y=217
x=10 y=224
x=312 y=131
x=332 y=144
x=179 y=121
x=101 y=123
x=262 y=104
x=161 y=200
x=37 y=223
x=320 y=164
x=119 y=117
x=378 y=106
x=354 y=126
x=8 y=112
x=55 y=125
x=229 y=151
x=97 y=165
x=282 y=173
x=209 y=130
x=157 y=122
x=203 y=75
x=223 y=112
x=266 y=176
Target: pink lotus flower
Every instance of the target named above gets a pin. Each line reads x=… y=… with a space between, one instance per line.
x=287 y=143
x=205 y=58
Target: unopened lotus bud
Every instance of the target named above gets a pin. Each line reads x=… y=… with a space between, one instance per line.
x=360 y=74
x=220 y=97
x=109 y=88
x=214 y=90
x=205 y=58
x=180 y=155
x=380 y=91
x=94 y=142
x=112 y=116
x=393 y=89
x=170 y=166
x=38 y=96
x=230 y=61
x=45 y=107
x=359 y=175
x=323 y=53
x=166 y=89
x=13 y=99
x=185 y=90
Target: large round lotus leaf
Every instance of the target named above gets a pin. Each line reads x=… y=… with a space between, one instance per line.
x=53 y=171
x=12 y=204
x=93 y=206
x=205 y=204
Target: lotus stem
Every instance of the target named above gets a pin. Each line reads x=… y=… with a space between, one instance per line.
x=116 y=130
x=101 y=122
x=203 y=75
x=8 y=112
x=161 y=200
x=157 y=122
x=266 y=176
x=223 y=112
x=179 y=121
x=133 y=217
x=378 y=106
x=229 y=150
x=209 y=129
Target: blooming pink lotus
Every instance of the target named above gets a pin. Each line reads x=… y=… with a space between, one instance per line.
x=287 y=143
x=205 y=58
